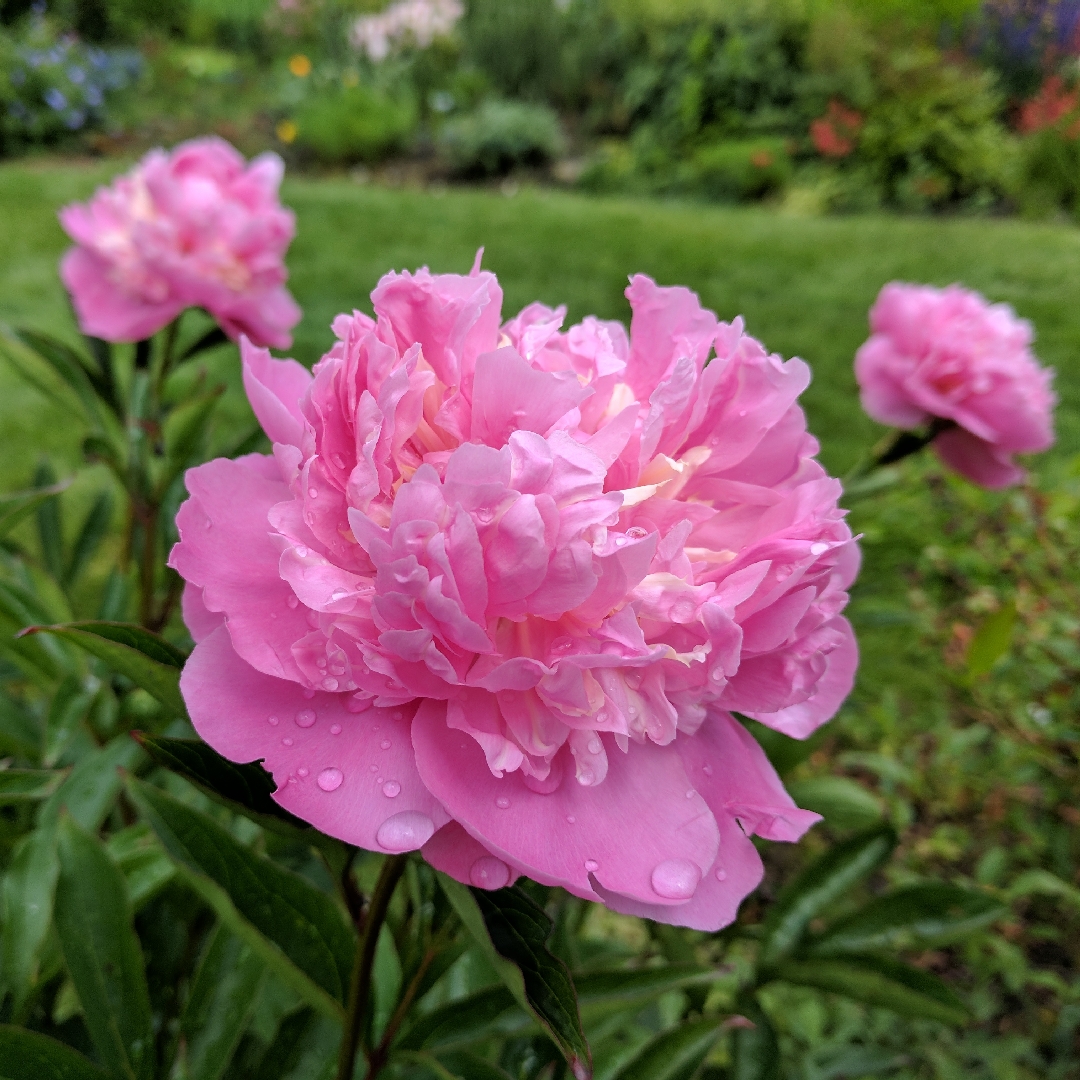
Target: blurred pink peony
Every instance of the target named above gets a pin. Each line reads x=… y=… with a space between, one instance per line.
x=498 y=587
x=195 y=227
x=948 y=354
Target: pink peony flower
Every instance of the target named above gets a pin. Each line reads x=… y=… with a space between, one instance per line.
x=192 y=228
x=498 y=588
x=947 y=353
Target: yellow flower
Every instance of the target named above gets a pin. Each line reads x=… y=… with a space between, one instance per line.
x=300 y=66
x=287 y=131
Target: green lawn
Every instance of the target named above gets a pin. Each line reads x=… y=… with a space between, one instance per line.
x=803 y=285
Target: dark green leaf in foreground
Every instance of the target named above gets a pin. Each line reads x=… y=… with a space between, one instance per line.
x=880 y=982
x=21 y=504
x=148 y=660
x=755 y=1050
x=91 y=787
x=672 y=1055
x=67 y=710
x=95 y=527
x=601 y=993
x=27 y=785
x=245 y=788
x=823 y=881
x=220 y=1004
x=102 y=953
x=916 y=916
x=305 y=1048
x=519 y=928
x=466 y=1020
x=142 y=861
x=297 y=931
x=26 y=1055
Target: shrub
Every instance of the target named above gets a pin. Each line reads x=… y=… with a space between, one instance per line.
x=500 y=135
x=740 y=169
x=356 y=123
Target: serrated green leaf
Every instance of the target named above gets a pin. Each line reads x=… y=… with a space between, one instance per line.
x=464 y=1021
x=220 y=1004
x=297 y=931
x=102 y=954
x=882 y=983
x=28 y=785
x=148 y=660
x=142 y=861
x=823 y=881
x=992 y=640
x=28 y=1055
x=918 y=916
x=67 y=710
x=512 y=931
x=755 y=1050
x=842 y=802
x=21 y=504
x=247 y=789
x=673 y=1055
x=92 y=786
x=26 y=903
x=95 y=528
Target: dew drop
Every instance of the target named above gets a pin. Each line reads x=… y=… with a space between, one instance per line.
x=292 y=601
x=305 y=718
x=592 y=865
x=391 y=789
x=313 y=492
x=570 y=819
x=637 y=533
x=373 y=768
x=484 y=516
x=620 y=541
x=721 y=875
x=378 y=780
x=818 y=549
x=601 y=718
x=336 y=669
x=286 y=741
x=676 y=879
x=594 y=746
x=338 y=594
x=301 y=772
x=302 y=551
x=272 y=721
x=405 y=831
x=338 y=460
x=586 y=778
x=209 y=523
x=489 y=873
x=385 y=744
x=329 y=684
x=335 y=729
x=330 y=779
x=716 y=675
x=706 y=769
x=321 y=663
x=502 y=802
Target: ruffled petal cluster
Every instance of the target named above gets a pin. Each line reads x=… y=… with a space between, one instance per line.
x=196 y=227
x=500 y=586
x=948 y=354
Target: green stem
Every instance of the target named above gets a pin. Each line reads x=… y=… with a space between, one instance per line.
x=360 y=983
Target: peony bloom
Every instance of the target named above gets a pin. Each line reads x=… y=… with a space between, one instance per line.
x=192 y=228
x=499 y=587
x=948 y=354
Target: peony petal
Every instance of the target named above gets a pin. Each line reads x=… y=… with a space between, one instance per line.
x=453 y=851
x=275 y=389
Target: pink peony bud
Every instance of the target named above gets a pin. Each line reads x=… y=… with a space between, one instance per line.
x=195 y=227
x=948 y=354
x=497 y=589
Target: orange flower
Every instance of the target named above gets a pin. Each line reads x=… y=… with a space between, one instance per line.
x=300 y=66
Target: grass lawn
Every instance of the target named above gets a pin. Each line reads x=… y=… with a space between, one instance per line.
x=803 y=285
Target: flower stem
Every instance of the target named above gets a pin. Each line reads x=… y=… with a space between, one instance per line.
x=360 y=983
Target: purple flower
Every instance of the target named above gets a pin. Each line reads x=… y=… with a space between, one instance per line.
x=76 y=75
x=55 y=99
x=75 y=119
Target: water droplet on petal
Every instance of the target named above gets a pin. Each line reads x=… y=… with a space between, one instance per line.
x=335 y=729
x=286 y=741
x=301 y=772
x=292 y=602
x=406 y=831
x=330 y=779
x=620 y=541
x=489 y=873
x=716 y=675
x=691 y=793
x=338 y=460
x=302 y=551
x=330 y=684
x=818 y=549
x=676 y=879
x=484 y=516
x=273 y=721
x=305 y=718
x=637 y=533
x=592 y=865
x=373 y=768
x=502 y=802
x=209 y=523
x=706 y=769
x=594 y=746
x=570 y=819
x=338 y=594
x=391 y=789
x=313 y=492
x=721 y=875
x=385 y=744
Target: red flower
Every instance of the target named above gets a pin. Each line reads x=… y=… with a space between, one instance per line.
x=834 y=133
x=1051 y=103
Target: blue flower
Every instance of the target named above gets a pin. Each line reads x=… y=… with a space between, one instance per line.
x=93 y=96
x=76 y=75
x=55 y=99
x=75 y=119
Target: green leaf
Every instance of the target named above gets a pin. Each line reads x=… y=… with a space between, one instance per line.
x=21 y=504
x=81 y=373
x=49 y=523
x=45 y=657
x=673 y=1055
x=247 y=789
x=19 y=732
x=298 y=932
x=755 y=1050
x=882 y=983
x=493 y=1010
x=306 y=1048
x=28 y=785
x=185 y=435
x=842 y=802
x=601 y=993
x=102 y=954
x=148 y=660
x=26 y=904
x=783 y=752
x=67 y=710
x=213 y=337
x=95 y=528
x=220 y=1004
x=914 y=917
x=823 y=881
x=464 y=1065
x=142 y=861
x=27 y=1055
x=386 y=980
x=512 y=931
x=91 y=787
x=992 y=640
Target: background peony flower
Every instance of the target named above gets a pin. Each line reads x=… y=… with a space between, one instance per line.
x=947 y=353
x=498 y=588
x=196 y=227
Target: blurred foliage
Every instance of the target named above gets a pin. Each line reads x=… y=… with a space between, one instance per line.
x=500 y=135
